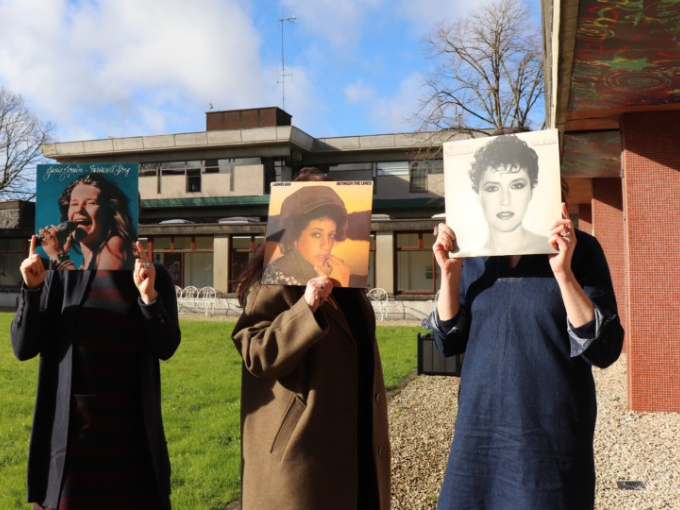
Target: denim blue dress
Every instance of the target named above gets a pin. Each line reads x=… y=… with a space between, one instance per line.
x=523 y=436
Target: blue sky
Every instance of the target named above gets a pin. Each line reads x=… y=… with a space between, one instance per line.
x=99 y=68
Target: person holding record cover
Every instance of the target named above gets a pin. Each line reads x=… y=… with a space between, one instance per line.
x=531 y=328
x=313 y=218
x=313 y=407
x=96 y=222
x=97 y=439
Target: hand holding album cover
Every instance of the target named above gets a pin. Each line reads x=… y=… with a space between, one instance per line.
x=316 y=229
x=87 y=215
x=502 y=193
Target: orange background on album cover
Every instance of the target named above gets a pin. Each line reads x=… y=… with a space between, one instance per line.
x=357 y=197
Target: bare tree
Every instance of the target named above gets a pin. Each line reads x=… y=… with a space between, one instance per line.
x=489 y=72
x=21 y=135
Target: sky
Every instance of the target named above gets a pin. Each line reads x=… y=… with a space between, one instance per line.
x=119 y=68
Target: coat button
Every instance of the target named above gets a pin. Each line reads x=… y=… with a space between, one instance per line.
x=377 y=397
x=380 y=450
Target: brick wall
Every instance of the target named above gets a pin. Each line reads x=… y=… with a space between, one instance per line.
x=607 y=217
x=585 y=218
x=246 y=119
x=651 y=198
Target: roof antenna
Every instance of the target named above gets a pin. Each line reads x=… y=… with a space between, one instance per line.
x=291 y=19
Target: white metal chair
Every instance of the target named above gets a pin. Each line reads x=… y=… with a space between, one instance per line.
x=378 y=296
x=187 y=298
x=206 y=298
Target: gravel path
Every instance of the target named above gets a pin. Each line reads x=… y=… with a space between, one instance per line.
x=629 y=446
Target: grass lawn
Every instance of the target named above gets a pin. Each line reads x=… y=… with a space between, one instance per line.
x=201 y=391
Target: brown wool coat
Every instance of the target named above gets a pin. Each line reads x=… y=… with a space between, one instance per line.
x=299 y=404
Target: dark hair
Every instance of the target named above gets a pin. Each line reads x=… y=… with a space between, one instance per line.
x=311 y=173
x=505 y=153
x=253 y=270
x=114 y=202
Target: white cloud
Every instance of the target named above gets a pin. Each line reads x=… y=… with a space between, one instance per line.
x=117 y=63
x=339 y=23
x=424 y=15
x=359 y=92
x=393 y=114
x=129 y=67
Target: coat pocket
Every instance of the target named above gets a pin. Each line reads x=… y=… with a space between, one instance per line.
x=290 y=420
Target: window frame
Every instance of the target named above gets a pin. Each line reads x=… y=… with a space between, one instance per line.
x=422 y=246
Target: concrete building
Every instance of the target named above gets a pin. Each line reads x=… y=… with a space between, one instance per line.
x=204 y=196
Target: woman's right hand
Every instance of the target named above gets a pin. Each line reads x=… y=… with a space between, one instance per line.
x=317 y=291
x=448 y=303
x=445 y=243
x=32 y=268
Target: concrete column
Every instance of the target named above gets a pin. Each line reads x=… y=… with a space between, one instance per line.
x=221 y=263
x=384 y=261
x=651 y=199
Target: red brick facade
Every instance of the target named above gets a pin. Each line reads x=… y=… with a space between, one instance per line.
x=651 y=199
x=585 y=218
x=607 y=219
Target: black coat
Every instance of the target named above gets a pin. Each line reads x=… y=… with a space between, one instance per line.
x=44 y=325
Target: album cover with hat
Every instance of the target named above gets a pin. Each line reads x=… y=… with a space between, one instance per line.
x=318 y=228
x=87 y=215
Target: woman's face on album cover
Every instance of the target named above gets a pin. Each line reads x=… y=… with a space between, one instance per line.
x=504 y=195
x=316 y=241
x=85 y=209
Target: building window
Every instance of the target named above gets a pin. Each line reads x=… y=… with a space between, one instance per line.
x=194 y=170
x=173 y=168
x=12 y=253
x=242 y=249
x=392 y=168
x=418 y=177
x=351 y=172
x=282 y=172
x=193 y=180
x=188 y=259
x=416 y=267
x=151 y=170
x=435 y=166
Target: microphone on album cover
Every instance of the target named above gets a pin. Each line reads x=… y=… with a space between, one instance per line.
x=63 y=231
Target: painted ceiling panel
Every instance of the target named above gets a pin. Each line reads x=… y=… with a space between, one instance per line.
x=591 y=154
x=627 y=53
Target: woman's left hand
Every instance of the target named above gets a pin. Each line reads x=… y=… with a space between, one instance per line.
x=339 y=271
x=144 y=275
x=563 y=239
